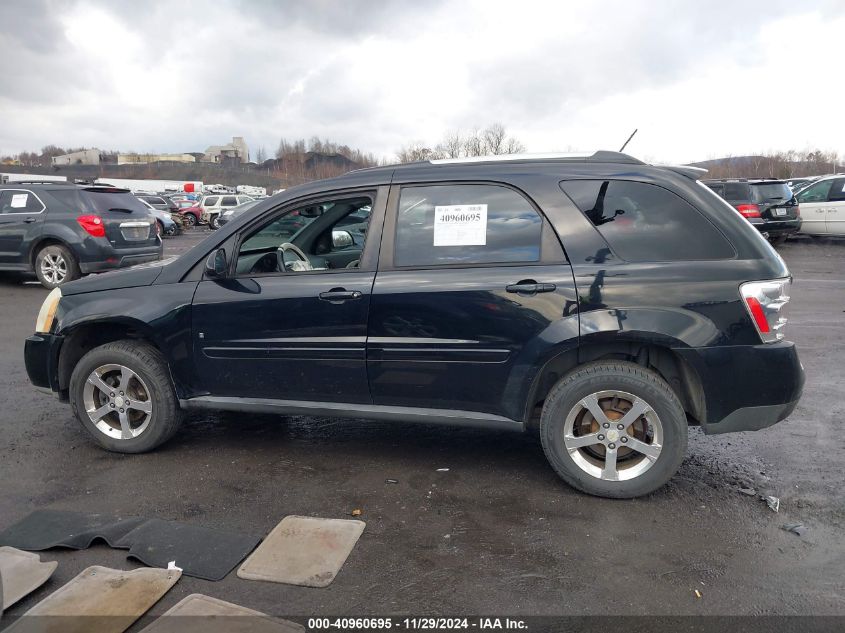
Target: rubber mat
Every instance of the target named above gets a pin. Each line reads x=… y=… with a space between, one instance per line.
x=200 y=552
x=44 y=529
x=99 y=600
x=305 y=551
x=21 y=573
x=203 y=614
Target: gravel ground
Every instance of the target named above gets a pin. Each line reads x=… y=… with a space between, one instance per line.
x=498 y=532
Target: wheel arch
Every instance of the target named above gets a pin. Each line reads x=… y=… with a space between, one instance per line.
x=677 y=372
x=43 y=241
x=82 y=338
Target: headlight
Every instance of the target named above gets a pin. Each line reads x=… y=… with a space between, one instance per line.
x=47 y=313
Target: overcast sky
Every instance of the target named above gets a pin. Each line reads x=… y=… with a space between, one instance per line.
x=699 y=79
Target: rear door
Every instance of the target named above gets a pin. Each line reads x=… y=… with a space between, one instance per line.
x=813 y=202
x=835 y=216
x=21 y=216
x=470 y=276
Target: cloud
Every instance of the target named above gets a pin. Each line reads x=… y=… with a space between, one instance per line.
x=698 y=79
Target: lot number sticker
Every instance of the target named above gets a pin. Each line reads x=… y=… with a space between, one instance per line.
x=460 y=225
x=19 y=200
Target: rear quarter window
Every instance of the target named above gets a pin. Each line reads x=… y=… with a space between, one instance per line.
x=643 y=222
x=737 y=191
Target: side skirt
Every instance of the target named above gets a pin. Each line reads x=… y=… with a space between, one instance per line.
x=448 y=417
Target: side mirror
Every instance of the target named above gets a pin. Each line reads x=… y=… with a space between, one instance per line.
x=216 y=265
x=342 y=239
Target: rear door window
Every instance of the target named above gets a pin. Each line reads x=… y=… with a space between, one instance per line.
x=837 y=191
x=19 y=201
x=643 y=222
x=443 y=225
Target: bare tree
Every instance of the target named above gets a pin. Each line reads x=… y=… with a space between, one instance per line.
x=261 y=155
x=494 y=139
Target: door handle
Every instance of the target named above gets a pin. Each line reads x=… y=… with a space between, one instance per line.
x=339 y=295
x=530 y=286
x=29 y=220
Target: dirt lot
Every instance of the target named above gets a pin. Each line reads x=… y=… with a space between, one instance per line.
x=497 y=533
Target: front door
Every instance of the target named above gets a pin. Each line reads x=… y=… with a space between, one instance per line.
x=470 y=277
x=21 y=216
x=813 y=204
x=287 y=323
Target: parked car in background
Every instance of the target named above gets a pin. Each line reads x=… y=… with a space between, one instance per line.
x=167 y=225
x=797 y=184
x=191 y=215
x=459 y=307
x=234 y=212
x=823 y=206
x=213 y=206
x=768 y=204
x=161 y=203
x=61 y=231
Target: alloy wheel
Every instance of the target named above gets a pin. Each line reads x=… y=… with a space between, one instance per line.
x=117 y=401
x=613 y=435
x=53 y=268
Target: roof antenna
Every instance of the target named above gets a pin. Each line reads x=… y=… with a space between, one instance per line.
x=622 y=149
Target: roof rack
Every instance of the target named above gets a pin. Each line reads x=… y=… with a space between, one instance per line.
x=601 y=156
x=38 y=182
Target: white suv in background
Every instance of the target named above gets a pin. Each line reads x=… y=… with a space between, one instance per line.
x=823 y=206
x=213 y=206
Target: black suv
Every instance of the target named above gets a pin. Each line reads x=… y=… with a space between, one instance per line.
x=63 y=230
x=769 y=205
x=606 y=302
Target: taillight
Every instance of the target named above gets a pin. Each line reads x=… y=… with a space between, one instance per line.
x=93 y=225
x=766 y=302
x=748 y=210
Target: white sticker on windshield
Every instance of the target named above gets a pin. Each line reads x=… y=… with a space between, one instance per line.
x=19 y=200
x=460 y=225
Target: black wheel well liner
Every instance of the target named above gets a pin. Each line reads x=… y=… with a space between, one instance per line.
x=84 y=338
x=677 y=373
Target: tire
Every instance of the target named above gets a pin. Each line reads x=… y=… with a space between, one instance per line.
x=214 y=222
x=190 y=220
x=582 y=463
x=777 y=241
x=148 y=384
x=55 y=265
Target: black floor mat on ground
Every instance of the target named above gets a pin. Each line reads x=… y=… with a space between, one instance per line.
x=200 y=552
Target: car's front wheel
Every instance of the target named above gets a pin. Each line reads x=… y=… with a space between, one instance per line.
x=55 y=265
x=190 y=220
x=122 y=394
x=614 y=429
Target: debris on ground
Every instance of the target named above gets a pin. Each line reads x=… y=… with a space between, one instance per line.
x=697 y=593
x=443 y=470
x=391 y=481
x=356 y=512
x=796 y=528
x=772 y=502
x=750 y=492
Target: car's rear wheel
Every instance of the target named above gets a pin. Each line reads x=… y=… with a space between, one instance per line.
x=190 y=219
x=214 y=222
x=614 y=429
x=122 y=394
x=778 y=240
x=55 y=265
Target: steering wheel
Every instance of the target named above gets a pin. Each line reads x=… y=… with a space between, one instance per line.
x=302 y=263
